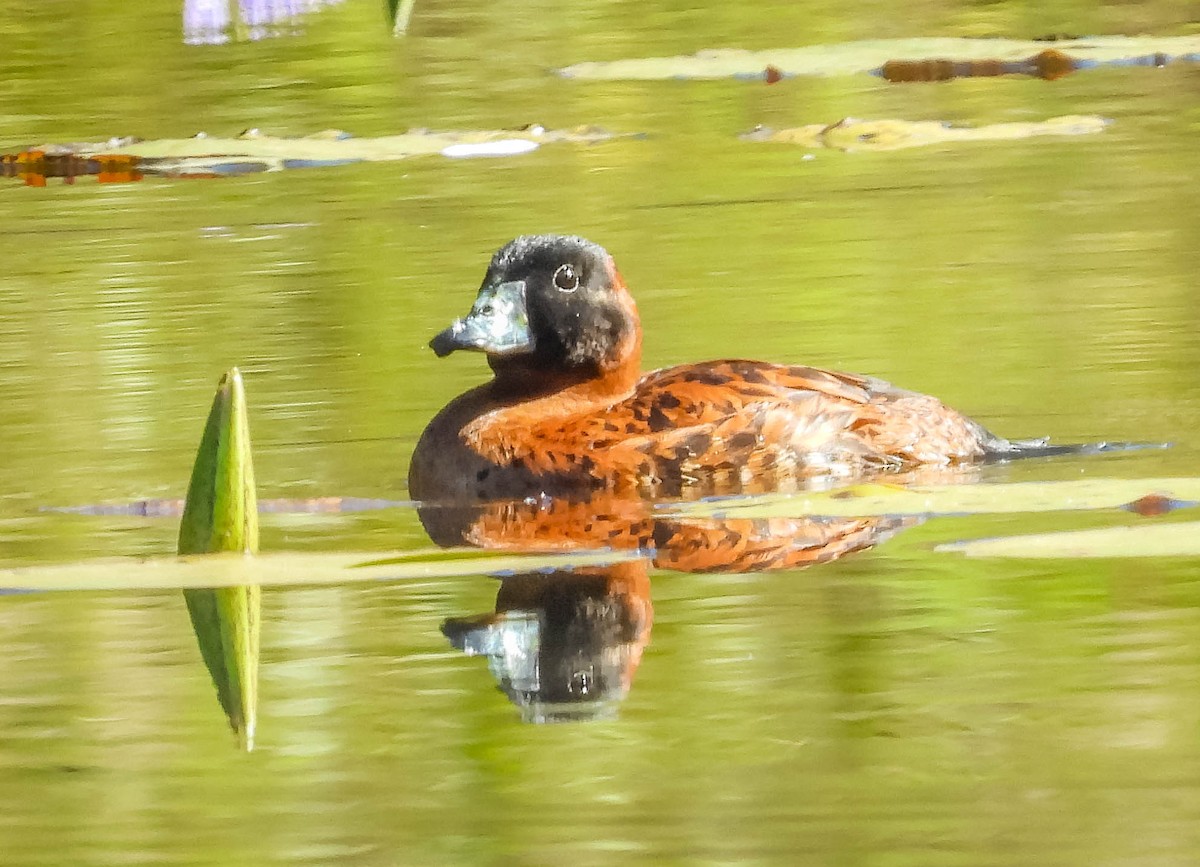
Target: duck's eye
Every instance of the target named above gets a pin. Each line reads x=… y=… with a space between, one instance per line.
x=565 y=278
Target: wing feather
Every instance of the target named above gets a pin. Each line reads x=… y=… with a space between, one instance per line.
x=733 y=426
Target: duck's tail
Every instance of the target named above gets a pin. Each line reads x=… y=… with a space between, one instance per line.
x=1008 y=450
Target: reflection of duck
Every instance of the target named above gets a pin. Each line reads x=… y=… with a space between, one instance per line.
x=569 y=411
x=675 y=543
x=563 y=645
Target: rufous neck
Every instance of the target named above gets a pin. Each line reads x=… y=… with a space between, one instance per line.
x=522 y=379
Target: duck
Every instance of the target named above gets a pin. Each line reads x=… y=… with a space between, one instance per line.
x=569 y=413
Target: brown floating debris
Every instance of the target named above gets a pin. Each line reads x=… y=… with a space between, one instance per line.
x=34 y=167
x=1049 y=65
x=1152 y=505
x=771 y=74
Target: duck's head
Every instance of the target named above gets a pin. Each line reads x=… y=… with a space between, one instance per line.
x=550 y=304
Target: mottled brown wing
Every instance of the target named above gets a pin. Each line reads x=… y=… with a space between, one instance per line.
x=741 y=426
x=713 y=424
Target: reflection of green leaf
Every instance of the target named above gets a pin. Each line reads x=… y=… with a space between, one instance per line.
x=221 y=515
x=1140 y=540
x=882 y=499
x=858 y=57
x=226 y=621
x=292 y=569
x=889 y=135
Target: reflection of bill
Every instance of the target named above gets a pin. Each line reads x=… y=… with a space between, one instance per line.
x=565 y=645
x=212 y=22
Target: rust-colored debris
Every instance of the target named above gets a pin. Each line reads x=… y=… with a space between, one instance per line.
x=1153 y=505
x=35 y=166
x=1049 y=65
x=772 y=75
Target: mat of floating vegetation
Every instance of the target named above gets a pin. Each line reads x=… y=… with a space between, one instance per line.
x=851 y=134
x=1140 y=540
x=1147 y=498
x=291 y=569
x=868 y=500
x=252 y=151
x=1030 y=57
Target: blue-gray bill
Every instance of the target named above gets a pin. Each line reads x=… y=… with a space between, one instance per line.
x=497 y=324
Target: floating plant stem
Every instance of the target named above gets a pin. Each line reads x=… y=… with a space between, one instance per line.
x=401 y=13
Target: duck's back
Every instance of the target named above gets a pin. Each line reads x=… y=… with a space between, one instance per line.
x=733 y=426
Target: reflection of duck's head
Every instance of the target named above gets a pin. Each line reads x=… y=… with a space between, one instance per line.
x=563 y=646
x=552 y=306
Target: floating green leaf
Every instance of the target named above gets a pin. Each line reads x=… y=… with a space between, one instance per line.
x=882 y=499
x=867 y=56
x=220 y=515
x=1138 y=540
x=849 y=134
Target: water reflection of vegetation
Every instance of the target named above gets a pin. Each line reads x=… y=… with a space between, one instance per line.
x=215 y=22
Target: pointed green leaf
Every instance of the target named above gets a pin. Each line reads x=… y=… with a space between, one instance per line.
x=221 y=515
x=221 y=510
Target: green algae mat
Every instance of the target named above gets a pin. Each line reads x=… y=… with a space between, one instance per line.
x=868 y=56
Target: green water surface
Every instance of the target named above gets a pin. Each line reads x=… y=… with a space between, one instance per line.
x=899 y=707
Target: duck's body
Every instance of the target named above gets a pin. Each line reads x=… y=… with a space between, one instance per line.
x=570 y=413
x=712 y=428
